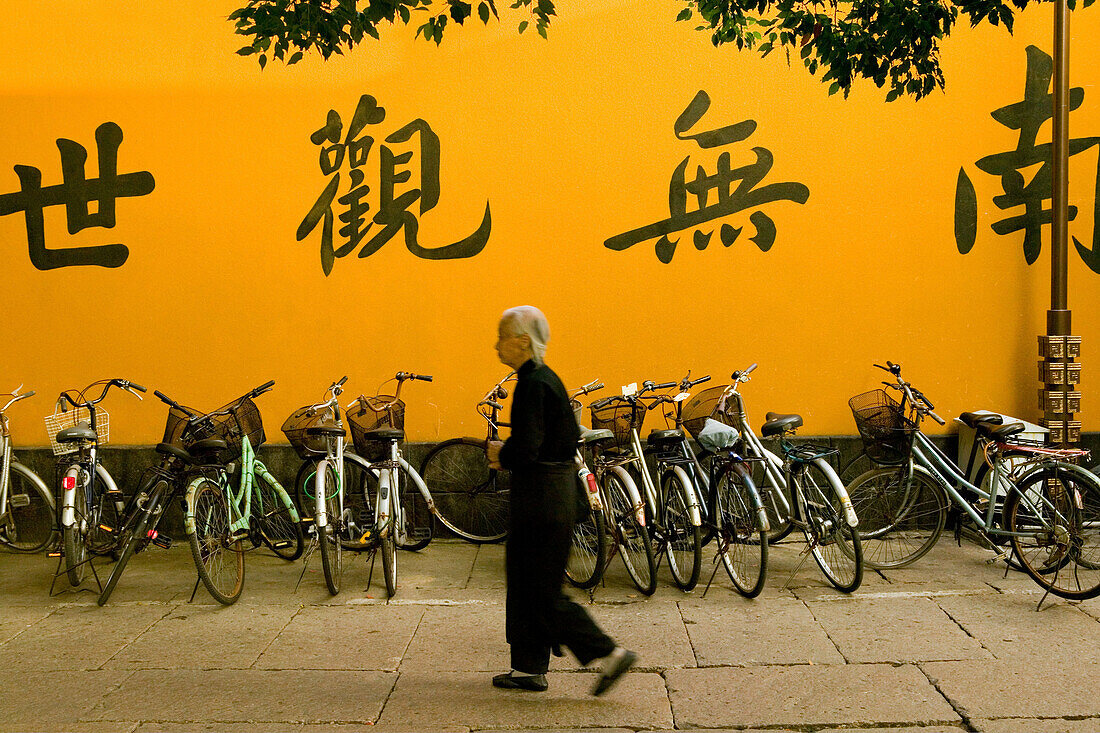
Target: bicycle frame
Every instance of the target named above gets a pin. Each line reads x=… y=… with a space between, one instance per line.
x=240 y=502
x=773 y=466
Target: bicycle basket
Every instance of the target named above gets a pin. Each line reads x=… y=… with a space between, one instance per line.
x=373 y=413
x=242 y=418
x=297 y=426
x=886 y=432
x=59 y=421
x=707 y=405
x=619 y=418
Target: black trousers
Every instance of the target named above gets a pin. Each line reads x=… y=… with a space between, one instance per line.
x=539 y=616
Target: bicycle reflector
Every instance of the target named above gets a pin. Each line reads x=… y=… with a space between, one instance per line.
x=68 y=482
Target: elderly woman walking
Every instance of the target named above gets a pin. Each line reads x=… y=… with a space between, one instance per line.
x=539 y=616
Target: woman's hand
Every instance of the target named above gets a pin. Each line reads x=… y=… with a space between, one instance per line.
x=492 y=450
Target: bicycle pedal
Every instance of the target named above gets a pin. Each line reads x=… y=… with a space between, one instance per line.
x=280 y=544
x=160 y=540
x=20 y=501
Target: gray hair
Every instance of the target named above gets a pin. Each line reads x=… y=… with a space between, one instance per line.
x=527 y=320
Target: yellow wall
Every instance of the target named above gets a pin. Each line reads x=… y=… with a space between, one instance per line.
x=570 y=141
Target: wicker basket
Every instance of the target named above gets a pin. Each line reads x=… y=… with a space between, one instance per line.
x=296 y=428
x=707 y=405
x=886 y=431
x=59 y=421
x=373 y=413
x=620 y=417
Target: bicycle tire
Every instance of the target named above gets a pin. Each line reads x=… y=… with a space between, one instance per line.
x=31 y=521
x=131 y=538
x=360 y=488
x=858 y=465
x=683 y=539
x=419 y=532
x=834 y=544
x=744 y=545
x=770 y=485
x=329 y=537
x=631 y=537
x=1062 y=512
x=209 y=537
x=584 y=569
x=272 y=517
x=387 y=545
x=471 y=499
x=901 y=515
x=72 y=537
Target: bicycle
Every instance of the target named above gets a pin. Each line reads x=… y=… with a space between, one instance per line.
x=27 y=517
x=472 y=498
x=183 y=460
x=736 y=515
x=674 y=515
x=584 y=568
x=237 y=499
x=820 y=505
x=91 y=502
x=1050 y=511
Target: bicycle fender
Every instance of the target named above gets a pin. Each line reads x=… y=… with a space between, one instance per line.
x=34 y=479
x=838 y=486
x=692 y=499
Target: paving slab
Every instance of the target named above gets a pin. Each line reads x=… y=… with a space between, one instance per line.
x=452 y=638
x=487 y=570
x=433 y=569
x=79 y=636
x=1011 y=628
x=468 y=698
x=17 y=619
x=783 y=631
x=205 y=637
x=1037 y=725
x=1028 y=687
x=248 y=695
x=806 y=696
x=895 y=630
x=55 y=701
x=364 y=637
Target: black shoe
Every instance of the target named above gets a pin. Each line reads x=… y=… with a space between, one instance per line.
x=535 y=683
x=609 y=677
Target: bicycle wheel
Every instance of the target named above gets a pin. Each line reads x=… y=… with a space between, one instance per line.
x=743 y=546
x=683 y=540
x=30 y=522
x=471 y=498
x=73 y=537
x=329 y=537
x=1054 y=514
x=771 y=486
x=388 y=547
x=272 y=518
x=418 y=531
x=631 y=536
x=133 y=535
x=834 y=544
x=901 y=515
x=995 y=542
x=586 y=557
x=218 y=559
x=360 y=488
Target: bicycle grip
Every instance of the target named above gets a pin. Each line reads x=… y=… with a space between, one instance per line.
x=164 y=398
x=603 y=402
x=138 y=387
x=751 y=369
x=423 y=377
x=28 y=394
x=664 y=385
x=700 y=380
x=342 y=380
x=263 y=388
x=937 y=418
x=596 y=386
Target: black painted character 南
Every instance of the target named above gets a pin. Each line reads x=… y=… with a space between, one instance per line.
x=1034 y=196
x=393 y=213
x=730 y=198
x=76 y=192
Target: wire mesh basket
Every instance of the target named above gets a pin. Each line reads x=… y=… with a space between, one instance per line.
x=59 y=421
x=886 y=431
x=708 y=405
x=373 y=413
x=176 y=427
x=241 y=418
x=620 y=417
x=296 y=429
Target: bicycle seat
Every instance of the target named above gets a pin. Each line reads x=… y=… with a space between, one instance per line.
x=208 y=445
x=167 y=449
x=974 y=419
x=664 y=436
x=776 y=423
x=326 y=429
x=77 y=434
x=385 y=434
x=595 y=436
x=1000 y=432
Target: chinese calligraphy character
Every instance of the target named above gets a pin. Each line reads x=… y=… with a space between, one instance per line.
x=76 y=192
x=393 y=213
x=730 y=199
x=1027 y=117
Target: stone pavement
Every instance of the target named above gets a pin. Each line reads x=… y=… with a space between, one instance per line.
x=947 y=645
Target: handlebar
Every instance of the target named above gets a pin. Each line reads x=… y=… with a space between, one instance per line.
x=742 y=375
x=80 y=401
x=402 y=376
x=262 y=388
x=15 y=397
x=915 y=397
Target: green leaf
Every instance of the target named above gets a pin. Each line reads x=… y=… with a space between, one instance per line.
x=523 y=26
x=295 y=58
x=892 y=94
x=483 y=12
x=263 y=60
x=834 y=88
x=246 y=51
x=684 y=14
